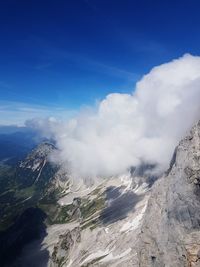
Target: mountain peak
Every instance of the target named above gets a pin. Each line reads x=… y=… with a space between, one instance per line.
x=36 y=164
x=43 y=150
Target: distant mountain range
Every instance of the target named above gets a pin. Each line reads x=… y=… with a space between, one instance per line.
x=15 y=143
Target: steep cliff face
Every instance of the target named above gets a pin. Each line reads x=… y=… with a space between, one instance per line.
x=170 y=234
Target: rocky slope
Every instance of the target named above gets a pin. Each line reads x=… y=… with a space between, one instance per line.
x=170 y=234
x=33 y=185
x=104 y=231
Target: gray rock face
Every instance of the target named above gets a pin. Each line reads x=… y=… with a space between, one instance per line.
x=36 y=166
x=66 y=242
x=170 y=233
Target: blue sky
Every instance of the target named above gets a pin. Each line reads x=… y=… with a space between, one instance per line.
x=56 y=56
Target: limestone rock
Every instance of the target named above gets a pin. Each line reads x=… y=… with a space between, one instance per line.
x=170 y=232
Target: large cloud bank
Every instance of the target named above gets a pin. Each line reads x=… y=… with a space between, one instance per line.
x=127 y=129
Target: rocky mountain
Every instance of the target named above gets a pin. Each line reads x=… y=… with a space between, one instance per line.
x=72 y=210
x=139 y=225
x=36 y=167
x=30 y=187
x=135 y=219
x=170 y=234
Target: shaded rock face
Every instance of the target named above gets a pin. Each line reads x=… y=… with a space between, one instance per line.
x=143 y=174
x=170 y=233
x=119 y=207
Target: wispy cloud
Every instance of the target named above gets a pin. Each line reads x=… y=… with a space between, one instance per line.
x=52 y=56
x=85 y=62
x=18 y=112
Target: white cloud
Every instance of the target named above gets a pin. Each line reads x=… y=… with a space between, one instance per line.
x=126 y=129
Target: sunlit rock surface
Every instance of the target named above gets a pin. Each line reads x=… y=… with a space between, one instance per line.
x=105 y=234
x=170 y=233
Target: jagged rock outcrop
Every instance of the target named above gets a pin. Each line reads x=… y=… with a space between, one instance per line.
x=36 y=167
x=65 y=244
x=170 y=235
x=109 y=224
x=38 y=170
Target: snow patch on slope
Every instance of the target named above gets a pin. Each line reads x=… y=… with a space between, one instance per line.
x=135 y=223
